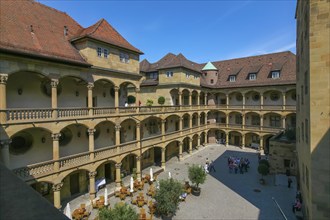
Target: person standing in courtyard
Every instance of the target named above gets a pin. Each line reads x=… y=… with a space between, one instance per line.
x=211 y=167
x=289 y=182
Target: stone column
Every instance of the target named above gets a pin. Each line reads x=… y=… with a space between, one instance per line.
x=163 y=158
x=205 y=119
x=283 y=122
x=190 y=98
x=3 y=98
x=91 y=143
x=205 y=99
x=138 y=168
x=180 y=99
x=227 y=120
x=180 y=150
x=118 y=176
x=283 y=100
x=117 y=128
x=92 y=191
x=137 y=99
x=90 y=87
x=116 y=88
x=198 y=100
x=5 y=152
x=138 y=134
x=180 y=124
x=163 y=129
x=190 y=145
x=198 y=141
x=227 y=100
x=54 y=84
x=190 y=122
x=261 y=101
x=243 y=121
x=227 y=139
x=56 y=151
x=261 y=122
x=243 y=100
x=198 y=120
x=261 y=147
x=57 y=195
x=243 y=140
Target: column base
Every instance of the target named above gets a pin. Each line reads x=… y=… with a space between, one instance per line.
x=138 y=176
x=92 y=195
x=190 y=151
x=227 y=145
x=180 y=157
x=163 y=165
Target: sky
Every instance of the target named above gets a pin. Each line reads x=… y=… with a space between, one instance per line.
x=201 y=30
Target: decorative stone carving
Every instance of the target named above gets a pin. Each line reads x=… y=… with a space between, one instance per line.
x=90 y=86
x=164 y=121
x=91 y=131
x=92 y=174
x=118 y=165
x=3 y=78
x=54 y=83
x=116 y=88
x=138 y=124
x=57 y=186
x=137 y=89
x=163 y=150
x=138 y=158
x=56 y=136
x=117 y=127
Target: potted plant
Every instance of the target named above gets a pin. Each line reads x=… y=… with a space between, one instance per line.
x=263 y=169
x=131 y=99
x=167 y=198
x=197 y=176
x=121 y=211
x=161 y=100
x=149 y=102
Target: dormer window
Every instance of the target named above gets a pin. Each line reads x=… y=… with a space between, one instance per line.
x=212 y=81
x=275 y=74
x=252 y=76
x=187 y=75
x=105 y=53
x=99 y=51
x=124 y=57
x=169 y=74
x=153 y=75
x=232 y=78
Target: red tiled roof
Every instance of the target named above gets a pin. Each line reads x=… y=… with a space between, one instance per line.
x=283 y=61
x=103 y=31
x=28 y=26
x=32 y=28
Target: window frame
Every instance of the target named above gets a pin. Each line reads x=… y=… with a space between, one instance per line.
x=252 y=78
x=232 y=78
x=275 y=74
x=99 y=51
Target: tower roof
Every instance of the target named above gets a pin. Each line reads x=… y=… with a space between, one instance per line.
x=209 y=66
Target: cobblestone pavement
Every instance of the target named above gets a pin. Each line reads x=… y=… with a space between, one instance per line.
x=226 y=195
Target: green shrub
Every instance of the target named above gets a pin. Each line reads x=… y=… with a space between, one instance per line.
x=121 y=211
x=264 y=161
x=149 y=102
x=161 y=100
x=196 y=175
x=263 y=169
x=131 y=99
x=167 y=197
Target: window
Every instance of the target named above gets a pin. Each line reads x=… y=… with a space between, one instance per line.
x=274 y=96
x=275 y=74
x=287 y=163
x=275 y=121
x=124 y=57
x=306 y=130
x=212 y=81
x=153 y=75
x=307 y=178
x=255 y=97
x=169 y=74
x=252 y=76
x=302 y=94
x=232 y=78
x=105 y=53
x=153 y=128
x=195 y=77
x=255 y=120
x=306 y=82
x=99 y=51
x=293 y=96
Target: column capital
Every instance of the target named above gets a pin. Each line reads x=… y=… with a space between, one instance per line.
x=57 y=186
x=137 y=89
x=163 y=121
x=163 y=150
x=118 y=165
x=92 y=174
x=117 y=127
x=91 y=131
x=180 y=143
x=54 y=83
x=90 y=86
x=138 y=125
x=190 y=140
x=283 y=117
x=116 y=88
x=4 y=143
x=3 y=78
x=56 y=136
x=138 y=158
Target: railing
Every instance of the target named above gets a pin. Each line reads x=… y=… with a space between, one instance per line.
x=35 y=170
x=105 y=152
x=127 y=147
x=28 y=114
x=17 y=115
x=71 y=112
x=172 y=135
x=151 y=140
x=73 y=161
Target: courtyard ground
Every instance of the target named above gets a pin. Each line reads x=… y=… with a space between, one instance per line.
x=224 y=195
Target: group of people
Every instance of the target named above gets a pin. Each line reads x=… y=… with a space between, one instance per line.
x=236 y=164
x=298 y=203
x=209 y=166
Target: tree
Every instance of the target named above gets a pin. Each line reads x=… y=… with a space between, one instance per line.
x=196 y=175
x=121 y=211
x=161 y=100
x=263 y=169
x=167 y=197
x=131 y=99
x=264 y=161
x=149 y=102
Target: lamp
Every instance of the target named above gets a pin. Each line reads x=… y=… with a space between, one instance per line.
x=20 y=91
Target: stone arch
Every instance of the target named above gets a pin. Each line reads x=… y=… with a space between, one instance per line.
x=106 y=134
x=104 y=90
x=272 y=119
x=106 y=169
x=124 y=88
x=174 y=93
x=150 y=156
x=128 y=130
x=185 y=96
x=172 y=123
x=235 y=138
x=128 y=162
x=172 y=149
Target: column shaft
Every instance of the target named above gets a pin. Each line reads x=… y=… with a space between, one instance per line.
x=243 y=140
x=283 y=101
x=180 y=151
x=92 y=191
x=190 y=146
x=54 y=84
x=56 y=151
x=227 y=139
x=91 y=143
x=3 y=98
x=5 y=152
x=138 y=168
x=57 y=195
x=118 y=176
x=116 y=98
x=90 y=98
x=163 y=158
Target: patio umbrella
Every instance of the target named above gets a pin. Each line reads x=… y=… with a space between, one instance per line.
x=68 y=211
x=151 y=175
x=169 y=175
x=106 y=196
x=132 y=185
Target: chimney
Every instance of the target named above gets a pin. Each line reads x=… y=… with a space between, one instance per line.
x=31 y=28
x=66 y=30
